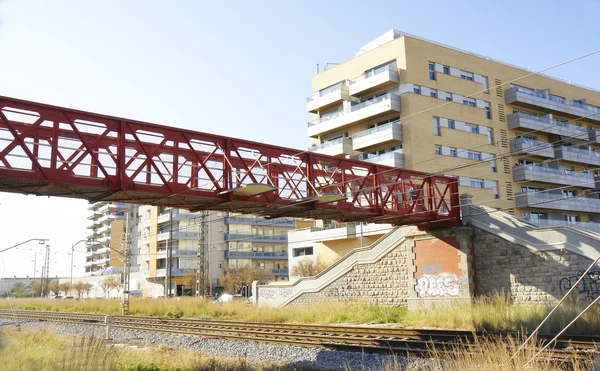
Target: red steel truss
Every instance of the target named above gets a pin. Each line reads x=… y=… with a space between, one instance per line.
x=55 y=151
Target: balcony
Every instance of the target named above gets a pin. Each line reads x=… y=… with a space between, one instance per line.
x=277 y=255
x=362 y=111
x=280 y=272
x=325 y=98
x=162 y=254
x=542 y=200
x=583 y=156
x=554 y=176
x=370 y=81
x=595 y=136
x=280 y=222
x=255 y=238
x=336 y=147
x=177 y=216
x=175 y=272
x=378 y=135
x=545 y=101
x=520 y=146
x=176 y=235
x=393 y=159
x=522 y=120
x=564 y=223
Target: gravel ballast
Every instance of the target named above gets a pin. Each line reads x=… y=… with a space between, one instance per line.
x=251 y=351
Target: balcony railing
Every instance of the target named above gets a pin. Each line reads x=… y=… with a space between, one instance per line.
x=176 y=235
x=522 y=120
x=547 y=200
x=324 y=92
x=565 y=223
x=255 y=237
x=375 y=130
x=354 y=108
x=374 y=73
x=327 y=144
x=554 y=176
x=174 y=272
x=580 y=151
x=547 y=170
x=539 y=94
x=280 y=272
x=279 y=222
x=529 y=97
x=525 y=145
x=281 y=255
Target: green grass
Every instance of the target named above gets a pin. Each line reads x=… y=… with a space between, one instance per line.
x=493 y=313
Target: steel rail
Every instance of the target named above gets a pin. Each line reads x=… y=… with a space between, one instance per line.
x=352 y=338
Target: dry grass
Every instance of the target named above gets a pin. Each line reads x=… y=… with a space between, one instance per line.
x=493 y=313
x=42 y=350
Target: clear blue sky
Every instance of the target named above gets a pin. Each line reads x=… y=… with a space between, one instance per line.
x=237 y=68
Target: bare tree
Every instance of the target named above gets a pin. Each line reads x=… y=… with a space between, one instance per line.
x=108 y=284
x=237 y=278
x=308 y=267
x=65 y=287
x=78 y=287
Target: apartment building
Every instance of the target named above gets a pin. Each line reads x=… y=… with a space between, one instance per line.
x=255 y=241
x=107 y=224
x=531 y=146
x=163 y=228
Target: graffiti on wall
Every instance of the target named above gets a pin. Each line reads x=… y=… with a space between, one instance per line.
x=275 y=292
x=438 y=285
x=588 y=288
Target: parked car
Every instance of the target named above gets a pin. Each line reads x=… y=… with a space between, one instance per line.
x=58 y=297
x=68 y=297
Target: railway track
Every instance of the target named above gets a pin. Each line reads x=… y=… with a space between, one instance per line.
x=352 y=338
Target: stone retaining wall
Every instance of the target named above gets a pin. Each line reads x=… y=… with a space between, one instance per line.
x=529 y=276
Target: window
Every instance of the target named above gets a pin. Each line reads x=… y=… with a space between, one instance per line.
x=469 y=103
x=438 y=150
x=449 y=97
x=450 y=124
x=490 y=135
x=433 y=93
x=466 y=77
x=571 y=218
x=417 y=89
x=472 y=128
x=436 y=126
x=530 y=189
x=535 y=216
x=488 y=113
x=453 y=151
x=220 y=265
x=476 y=183
x=446 y=70
x=493 y=166
x=302 y=251
x=431 y=71
x=474 y=155
x=569 y=193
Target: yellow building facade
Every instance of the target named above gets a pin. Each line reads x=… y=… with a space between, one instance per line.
x=528 y=144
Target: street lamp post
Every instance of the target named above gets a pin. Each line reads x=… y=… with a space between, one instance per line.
x=88 y=242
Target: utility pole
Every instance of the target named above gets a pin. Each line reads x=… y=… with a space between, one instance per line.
x=126 y=256
x=168 y=264
x=45 y=284
x=201 y=271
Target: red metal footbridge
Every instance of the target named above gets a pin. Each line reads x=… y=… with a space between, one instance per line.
x=55 y=151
